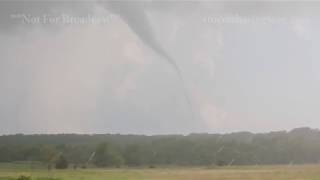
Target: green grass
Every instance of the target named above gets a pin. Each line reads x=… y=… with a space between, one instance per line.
x=305 y=172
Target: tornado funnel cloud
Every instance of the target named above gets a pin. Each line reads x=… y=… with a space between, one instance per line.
x=134 y=15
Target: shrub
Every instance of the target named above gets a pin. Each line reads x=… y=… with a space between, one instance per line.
x=84 y=166
x=221 y=163
x=61 y=163
x=24 y=178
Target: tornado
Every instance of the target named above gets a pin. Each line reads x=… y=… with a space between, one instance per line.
x=134 y=15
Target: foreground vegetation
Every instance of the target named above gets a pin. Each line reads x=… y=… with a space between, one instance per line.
x=232 y=156
x=305 y=172
x=299 y=146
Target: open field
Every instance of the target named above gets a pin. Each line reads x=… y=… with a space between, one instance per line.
x=307 y=172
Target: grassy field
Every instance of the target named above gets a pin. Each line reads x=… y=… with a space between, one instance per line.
x=308 y=172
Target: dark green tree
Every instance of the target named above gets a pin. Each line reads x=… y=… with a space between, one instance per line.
x=106 y=156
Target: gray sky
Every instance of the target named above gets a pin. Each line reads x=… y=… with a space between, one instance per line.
x=111 y=69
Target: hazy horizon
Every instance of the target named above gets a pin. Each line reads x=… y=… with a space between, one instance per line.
x=162 y=134
x=114 y=67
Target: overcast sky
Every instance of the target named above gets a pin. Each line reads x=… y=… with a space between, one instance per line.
x=115 y=67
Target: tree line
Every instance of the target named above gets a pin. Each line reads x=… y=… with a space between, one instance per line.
x=298 y=146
